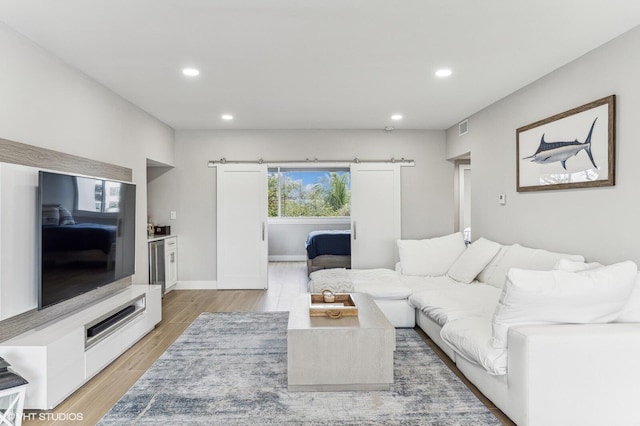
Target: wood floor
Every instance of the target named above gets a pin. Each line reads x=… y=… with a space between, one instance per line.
x=286 y=279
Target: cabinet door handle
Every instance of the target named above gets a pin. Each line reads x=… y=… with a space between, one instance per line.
x=156 y=266
x=355 y=234
x=263 y=231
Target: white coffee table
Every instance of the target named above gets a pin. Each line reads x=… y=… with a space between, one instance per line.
x=345 y=354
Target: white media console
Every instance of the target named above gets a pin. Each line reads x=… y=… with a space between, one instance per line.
x=60 y=357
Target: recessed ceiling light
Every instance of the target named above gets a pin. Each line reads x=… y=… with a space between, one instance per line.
x=396 y=117
x=190 y=72
x=227 y=117
x=444 y=72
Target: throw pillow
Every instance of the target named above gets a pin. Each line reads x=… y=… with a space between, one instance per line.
x=65 y=217
x=517 y=256
x=431 y=257
x=631 y=311
x=551 y=297
x=50 y=215
x=473 y=260
x=573 y=266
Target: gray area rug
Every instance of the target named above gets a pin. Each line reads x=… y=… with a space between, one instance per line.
x=231 y=369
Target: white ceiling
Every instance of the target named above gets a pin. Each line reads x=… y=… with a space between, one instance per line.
x=317 y=64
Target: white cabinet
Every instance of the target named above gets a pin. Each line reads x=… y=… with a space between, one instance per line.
x=170 y=262
x=375 y=215
x=163 y=262
x=58 y=358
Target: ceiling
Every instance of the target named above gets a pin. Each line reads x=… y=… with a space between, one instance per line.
x=317 y=64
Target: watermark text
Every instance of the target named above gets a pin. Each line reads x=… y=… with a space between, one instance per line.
x=42 y=416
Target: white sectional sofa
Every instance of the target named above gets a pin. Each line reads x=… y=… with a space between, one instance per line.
x=550 y=339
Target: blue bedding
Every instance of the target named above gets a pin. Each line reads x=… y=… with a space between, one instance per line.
x=78 y=237
x=328 y=242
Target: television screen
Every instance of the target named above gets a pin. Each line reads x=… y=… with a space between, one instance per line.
x=86 y=234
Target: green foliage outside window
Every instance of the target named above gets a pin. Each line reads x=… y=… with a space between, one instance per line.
x=329 y=195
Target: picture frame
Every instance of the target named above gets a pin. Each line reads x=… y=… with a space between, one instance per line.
x=573 y=149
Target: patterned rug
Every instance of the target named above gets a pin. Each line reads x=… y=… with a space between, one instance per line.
x=231 y=369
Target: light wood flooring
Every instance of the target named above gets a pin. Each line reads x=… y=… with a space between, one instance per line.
x=179 y=309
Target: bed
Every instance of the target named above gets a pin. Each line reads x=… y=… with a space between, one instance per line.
x=80 y=242
x=328 y=249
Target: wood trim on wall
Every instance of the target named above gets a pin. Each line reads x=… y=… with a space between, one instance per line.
x=33 y=156
x=29 y=155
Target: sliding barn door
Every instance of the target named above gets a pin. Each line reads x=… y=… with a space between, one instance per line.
x=242 y=226
x=375 y=215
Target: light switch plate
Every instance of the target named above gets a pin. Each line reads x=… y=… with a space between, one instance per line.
x=502 y=199
x=173 y=215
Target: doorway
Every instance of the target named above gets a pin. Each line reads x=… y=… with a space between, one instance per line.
x=464 y=199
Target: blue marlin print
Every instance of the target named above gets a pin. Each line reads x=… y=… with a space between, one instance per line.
x=550 y=152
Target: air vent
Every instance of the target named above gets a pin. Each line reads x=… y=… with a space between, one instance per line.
x=463 y=127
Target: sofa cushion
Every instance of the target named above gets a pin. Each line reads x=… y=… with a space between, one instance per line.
x=488 y=270
x=417 y=284
x=470 y=338
x=548 y=297
x=456 y=301
x=430 y=257
x=517 y=256
x=381 y=291
x=573 y=266
x=631 y=311
x=473 y=260
x=379 y=283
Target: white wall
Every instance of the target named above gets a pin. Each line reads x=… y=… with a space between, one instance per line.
x=427 y=188
x=46 y=103
x=161 y=195
x=600 y=223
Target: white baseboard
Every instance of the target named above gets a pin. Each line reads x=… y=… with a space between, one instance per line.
x=288 y=258
x=196 y=285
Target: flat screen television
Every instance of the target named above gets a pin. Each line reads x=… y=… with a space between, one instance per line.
x=86 y=234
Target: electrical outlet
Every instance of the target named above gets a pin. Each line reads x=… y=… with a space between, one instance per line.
x=173 y=215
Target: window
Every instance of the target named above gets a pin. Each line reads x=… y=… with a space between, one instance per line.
x=96 y=195
x=309 y=192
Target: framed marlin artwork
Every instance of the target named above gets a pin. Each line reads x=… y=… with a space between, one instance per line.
x=574 y=149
